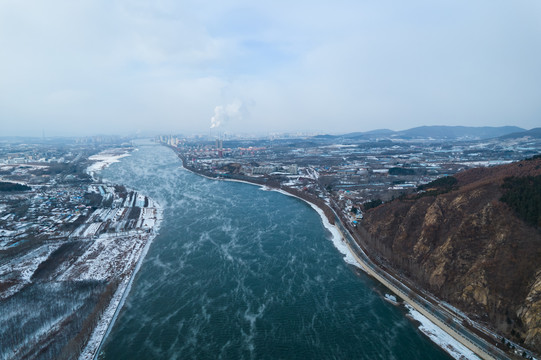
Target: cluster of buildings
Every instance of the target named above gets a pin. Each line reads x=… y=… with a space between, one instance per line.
x=65 y=211
x=349 y=172
x=64 y=150
x=59 y=204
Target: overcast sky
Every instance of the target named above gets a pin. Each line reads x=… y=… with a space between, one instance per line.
x=90 y=67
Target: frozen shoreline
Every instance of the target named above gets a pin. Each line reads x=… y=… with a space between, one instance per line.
x=440 y=337
x=436 y=334
x=109 y=316
x=336 y=237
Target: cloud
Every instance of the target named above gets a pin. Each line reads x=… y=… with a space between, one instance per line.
x=110 y=66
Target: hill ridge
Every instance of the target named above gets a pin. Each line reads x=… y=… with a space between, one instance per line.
x=469 y=248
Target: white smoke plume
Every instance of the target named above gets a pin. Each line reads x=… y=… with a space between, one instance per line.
x=223 y=114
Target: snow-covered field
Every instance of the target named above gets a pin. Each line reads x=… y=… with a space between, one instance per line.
x=132 y=264
x=22 y=268
x=109 y=256
x=119 y=255
x=104 y=159
x=113 y=254
x=147 y=219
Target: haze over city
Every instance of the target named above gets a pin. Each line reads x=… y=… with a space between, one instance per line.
x=120 y=67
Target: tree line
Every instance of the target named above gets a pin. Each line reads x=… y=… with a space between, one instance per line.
x=9 y=186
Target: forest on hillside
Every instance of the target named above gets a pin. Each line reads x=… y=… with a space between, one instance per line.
x=523 y=195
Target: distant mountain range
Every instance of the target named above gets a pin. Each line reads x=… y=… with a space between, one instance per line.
x=533 y=133
x=438 y=133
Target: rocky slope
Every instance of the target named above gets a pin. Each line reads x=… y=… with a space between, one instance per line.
x=469 y=248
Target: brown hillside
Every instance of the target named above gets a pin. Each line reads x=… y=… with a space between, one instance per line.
x=470 y=249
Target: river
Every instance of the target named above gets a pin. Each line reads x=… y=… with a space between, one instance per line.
x=237 y=272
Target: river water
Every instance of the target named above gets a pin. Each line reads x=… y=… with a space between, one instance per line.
x=237 y=272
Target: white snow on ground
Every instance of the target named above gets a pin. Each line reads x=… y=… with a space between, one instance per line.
x=128 y=200
x=391 y=298
x=7 y=234
x=108 y=317
x=108 y=256
x=441 y=338
x=91 y=230
x=102 y=328
x=112 y=255
x=140 y=200
x=22 y=268
x=148 y=218
x=103 y=160
x=77 y=232
x=485 y=163
x=290 y=183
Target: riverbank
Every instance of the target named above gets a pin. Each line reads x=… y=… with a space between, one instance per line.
x=109 y=316
x=453 y=342
x=437 y=333
x=140 y=244
x=435 y=330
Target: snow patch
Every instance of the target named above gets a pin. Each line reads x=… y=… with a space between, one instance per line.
x=22 y=268
x=391 y=298
x=103 y=160
x=136 y=257
x=440 y=337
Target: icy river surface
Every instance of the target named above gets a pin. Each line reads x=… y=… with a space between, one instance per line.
x=242 y=273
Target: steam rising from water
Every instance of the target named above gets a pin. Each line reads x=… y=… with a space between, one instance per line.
x=238 y=273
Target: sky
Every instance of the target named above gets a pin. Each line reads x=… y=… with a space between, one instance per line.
x=86 y=67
